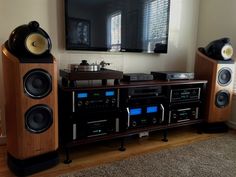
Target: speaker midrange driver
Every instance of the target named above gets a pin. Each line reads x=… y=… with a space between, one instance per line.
x=37 y=83
x=224 y=76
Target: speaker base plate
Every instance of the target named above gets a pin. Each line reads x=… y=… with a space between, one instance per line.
x=220 y=127
x=32 y=165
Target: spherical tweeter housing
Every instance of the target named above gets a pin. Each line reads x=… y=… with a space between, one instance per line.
x=220 y=49
x=38 y=118
x=29 y=40
x=37 y=83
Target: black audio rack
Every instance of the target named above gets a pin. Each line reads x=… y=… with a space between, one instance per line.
x=113 y=111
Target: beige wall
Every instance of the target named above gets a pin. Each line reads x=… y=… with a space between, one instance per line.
x=217 y=20
x=50 y=15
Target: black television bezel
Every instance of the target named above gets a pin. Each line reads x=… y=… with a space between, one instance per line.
x=69 y=46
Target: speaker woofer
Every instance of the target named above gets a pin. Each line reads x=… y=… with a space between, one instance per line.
x=38 y=118
x=37 y=83
x=222 y=98
x=224 y=76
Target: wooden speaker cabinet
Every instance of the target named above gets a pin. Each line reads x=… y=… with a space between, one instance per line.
x=220 y=77
x=31 y=106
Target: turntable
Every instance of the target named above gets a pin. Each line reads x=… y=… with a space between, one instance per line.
x=87 y=72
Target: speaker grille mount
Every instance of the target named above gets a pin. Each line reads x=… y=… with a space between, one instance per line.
x=224 y=76
x=38 y=118
x=37 y=83
x=222 y=98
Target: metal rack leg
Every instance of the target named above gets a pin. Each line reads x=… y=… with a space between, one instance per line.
x=67 y=160
x=165 y=133
x=122 y=147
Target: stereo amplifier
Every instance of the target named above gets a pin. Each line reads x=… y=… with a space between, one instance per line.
x=183 y=112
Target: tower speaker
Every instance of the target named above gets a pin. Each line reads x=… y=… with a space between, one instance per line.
x=220 y=77
x=31 y=106
x=31 y=110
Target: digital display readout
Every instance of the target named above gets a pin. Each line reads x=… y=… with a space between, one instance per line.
x=135 y=111
x=82 y=95
x=96 y=94
x=109 y=93
x=152 y=109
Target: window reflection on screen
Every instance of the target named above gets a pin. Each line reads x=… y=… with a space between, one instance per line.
x=115 y=31
x=155 y=24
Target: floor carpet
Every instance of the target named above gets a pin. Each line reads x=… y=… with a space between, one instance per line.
x=215 y=157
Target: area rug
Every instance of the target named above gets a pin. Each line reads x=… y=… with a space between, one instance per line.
x=215 y=157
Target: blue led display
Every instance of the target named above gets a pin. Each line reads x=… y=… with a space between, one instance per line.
x=82 y=95
x=152 y=109
x=135 y=111
x=109 y=93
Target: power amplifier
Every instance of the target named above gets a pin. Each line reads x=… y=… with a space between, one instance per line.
x=142 y=107
x=145 y=115
x=184 y=112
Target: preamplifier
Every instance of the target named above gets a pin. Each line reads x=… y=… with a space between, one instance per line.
x=91 y=113
x=87 y=100
x=185 y=94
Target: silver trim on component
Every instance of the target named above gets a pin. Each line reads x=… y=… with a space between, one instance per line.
x=73 y=101
x=74 y=131
x=118 y=98
x=89 y=136
x=169 y=117
x=171 y=95
x=199 y=93
x=186 y=109
x=128 y=112
x=163 y=113
x=98 y=121
x=117 y=124
x=183 y=120
x=197 y=113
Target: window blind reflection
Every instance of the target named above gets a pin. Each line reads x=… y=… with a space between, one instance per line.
x=155 y=24
x=116 y=32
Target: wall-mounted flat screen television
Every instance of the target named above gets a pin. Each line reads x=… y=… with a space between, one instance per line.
x=117 y=25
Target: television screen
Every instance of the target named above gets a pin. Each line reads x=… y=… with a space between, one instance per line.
x=117 y=25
